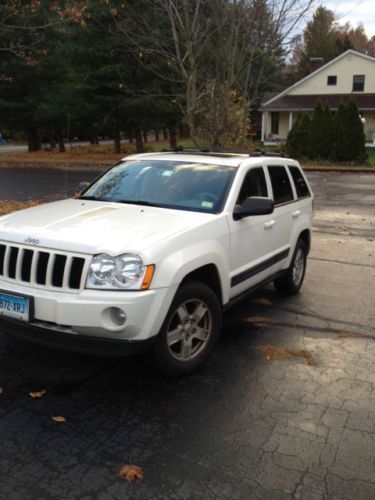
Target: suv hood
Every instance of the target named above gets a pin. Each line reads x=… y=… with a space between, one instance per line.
x=96 y=227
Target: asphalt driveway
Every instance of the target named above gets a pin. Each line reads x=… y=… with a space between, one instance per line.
x=285 y=408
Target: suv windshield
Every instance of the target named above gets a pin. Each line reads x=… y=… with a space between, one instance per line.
x=171 y=184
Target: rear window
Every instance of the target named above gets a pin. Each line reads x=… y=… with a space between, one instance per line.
x=281 y=187
x=299 y=182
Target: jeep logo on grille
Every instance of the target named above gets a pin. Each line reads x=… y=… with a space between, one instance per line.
x=32 y=241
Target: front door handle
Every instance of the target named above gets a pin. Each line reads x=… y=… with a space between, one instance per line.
x=296 y=213
x=269 y=224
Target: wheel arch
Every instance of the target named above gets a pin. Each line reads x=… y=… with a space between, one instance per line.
x=305 y=236
x=209 y=275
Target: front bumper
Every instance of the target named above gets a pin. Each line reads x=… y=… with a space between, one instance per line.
x=69 y=342
x=88 y=313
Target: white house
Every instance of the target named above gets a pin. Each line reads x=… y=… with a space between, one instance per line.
x=350 y=74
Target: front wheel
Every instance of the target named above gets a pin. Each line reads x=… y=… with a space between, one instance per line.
x=190 y=331
x=292 y=280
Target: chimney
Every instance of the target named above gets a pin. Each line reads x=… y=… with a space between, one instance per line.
x=315 y=63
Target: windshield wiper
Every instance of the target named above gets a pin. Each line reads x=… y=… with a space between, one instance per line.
x=139 y=202
x=94 y=198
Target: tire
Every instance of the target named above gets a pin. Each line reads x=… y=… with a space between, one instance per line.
x=190 y=330
x=291 y=282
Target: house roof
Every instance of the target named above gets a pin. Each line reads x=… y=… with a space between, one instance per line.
x=307 y=102
x=268 y=101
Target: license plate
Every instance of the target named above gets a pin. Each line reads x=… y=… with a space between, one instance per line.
x=14 y=306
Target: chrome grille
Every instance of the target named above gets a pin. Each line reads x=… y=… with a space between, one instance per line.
x=42 y=268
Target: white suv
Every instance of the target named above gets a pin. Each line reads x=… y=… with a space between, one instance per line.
x=152 y=252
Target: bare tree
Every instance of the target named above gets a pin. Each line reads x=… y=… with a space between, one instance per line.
x=207 y=49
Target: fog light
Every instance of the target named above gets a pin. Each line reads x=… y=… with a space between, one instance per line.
x=118 y=316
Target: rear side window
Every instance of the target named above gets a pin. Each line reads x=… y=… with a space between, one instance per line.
x=300 y=183
x=254 y=184
x=281 y=187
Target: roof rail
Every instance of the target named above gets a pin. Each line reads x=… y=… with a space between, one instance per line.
x=222 y=150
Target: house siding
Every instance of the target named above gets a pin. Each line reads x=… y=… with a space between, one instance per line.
x=344 y=68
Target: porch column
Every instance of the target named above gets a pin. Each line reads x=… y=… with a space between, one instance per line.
x=290 y=120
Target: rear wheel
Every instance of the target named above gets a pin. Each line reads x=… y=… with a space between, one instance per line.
x=190 y=331
x=291 y=282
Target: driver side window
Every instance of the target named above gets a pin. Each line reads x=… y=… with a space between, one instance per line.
x=254 y=184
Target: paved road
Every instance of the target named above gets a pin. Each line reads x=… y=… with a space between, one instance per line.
x=245 y=427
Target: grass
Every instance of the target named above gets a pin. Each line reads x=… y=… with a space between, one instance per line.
x=91 y=154
x=7 y=206
x=96 y=155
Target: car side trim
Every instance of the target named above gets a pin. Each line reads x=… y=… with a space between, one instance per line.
x=250 y=291
x=252 y=271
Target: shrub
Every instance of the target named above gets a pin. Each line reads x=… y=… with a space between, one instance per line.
x=349 y=134
x=297 y=143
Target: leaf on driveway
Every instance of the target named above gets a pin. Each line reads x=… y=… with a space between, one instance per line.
x=347 y=335
x=275 y=352
x=37 y=394
x=58 y=418
x=260 y=321
x=131 y=472
x=261 y=301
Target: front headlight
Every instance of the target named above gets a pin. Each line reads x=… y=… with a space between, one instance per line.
x=126 y=271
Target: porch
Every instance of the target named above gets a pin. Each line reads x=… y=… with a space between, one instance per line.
x=276 y=125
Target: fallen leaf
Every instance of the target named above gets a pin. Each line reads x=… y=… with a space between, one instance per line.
x=37 y=394
x=276 y=352
x=345 y=335
x=1 y=391
x=261 y=301
x=58 y=418
x=260 y=321
x=131 y=472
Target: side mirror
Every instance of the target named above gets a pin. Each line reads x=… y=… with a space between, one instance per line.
x=81 y=187
x=254 y=205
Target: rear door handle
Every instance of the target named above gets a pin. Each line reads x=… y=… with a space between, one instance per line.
x=269 y=224
x=296 y=213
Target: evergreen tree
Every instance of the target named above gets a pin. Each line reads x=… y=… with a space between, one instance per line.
x=321 y=133
x=298 y=141
x=313 y=149
x=349 y=134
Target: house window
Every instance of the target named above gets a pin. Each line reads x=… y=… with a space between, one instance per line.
x=358 y=83
x=275 y=116
x=332 y=80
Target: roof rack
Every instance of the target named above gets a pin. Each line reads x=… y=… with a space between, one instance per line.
x=222 y=151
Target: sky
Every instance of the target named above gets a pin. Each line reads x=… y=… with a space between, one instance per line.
x=354 y=11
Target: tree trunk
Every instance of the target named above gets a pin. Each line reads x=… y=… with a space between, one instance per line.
x=60 y=140
x=117 y=139
x=138 y=141
x=145 y=135
x=94 y=139
x=130 y=135
x=33 y=139
x=172 y=137
x=165 y=134
x=53 y=141
x=156 y=134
